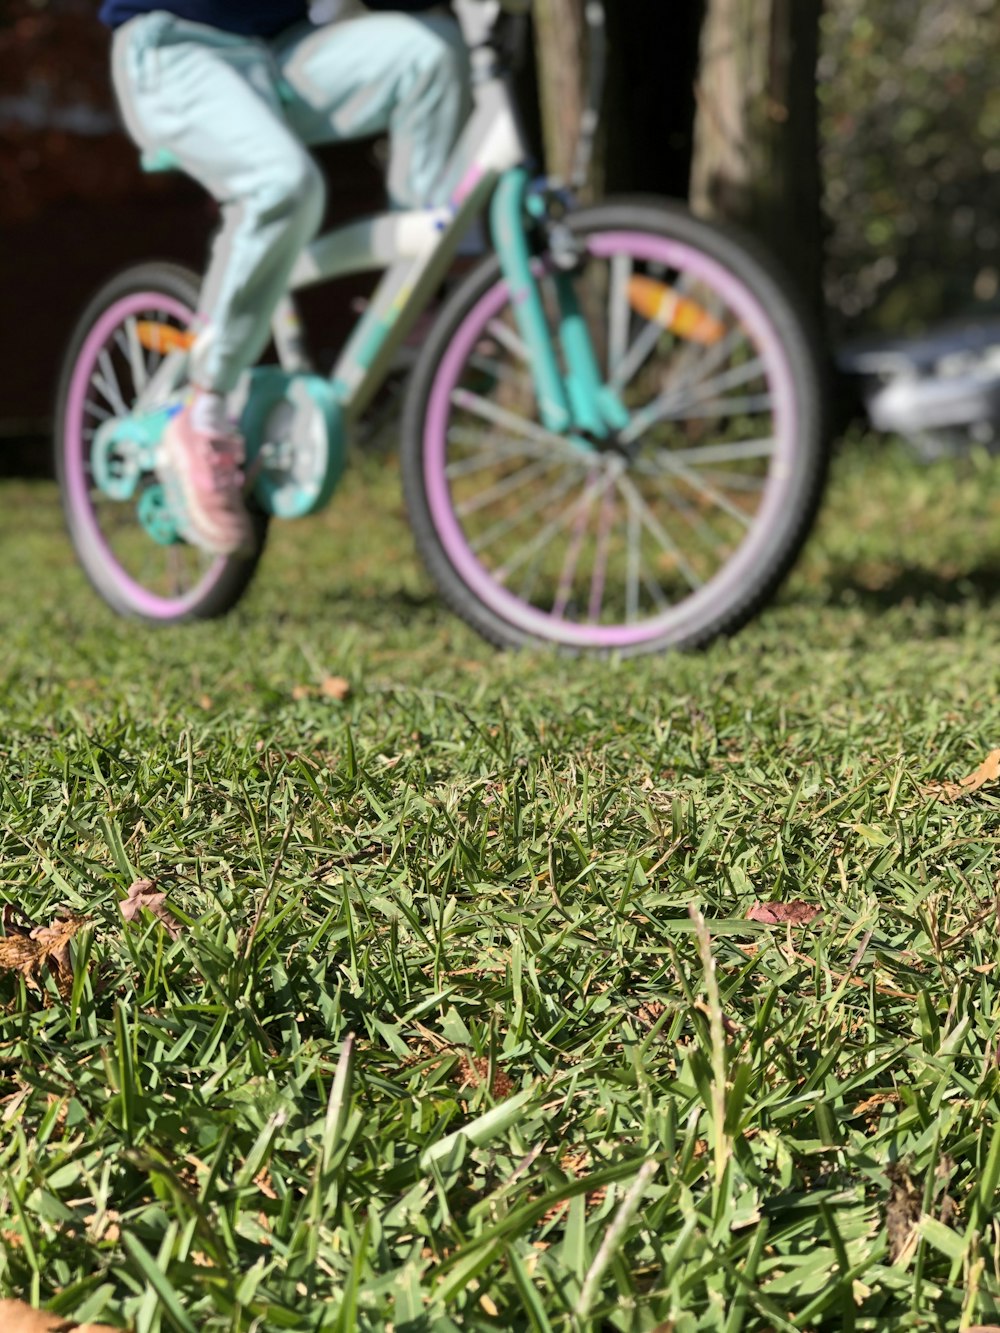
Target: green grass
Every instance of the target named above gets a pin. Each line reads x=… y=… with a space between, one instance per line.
x=566 y=1105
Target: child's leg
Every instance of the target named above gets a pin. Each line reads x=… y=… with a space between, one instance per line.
x=405 y=73
x=210 y=98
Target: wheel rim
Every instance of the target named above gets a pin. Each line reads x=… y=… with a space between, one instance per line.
x=159 y=580
x=578 y=548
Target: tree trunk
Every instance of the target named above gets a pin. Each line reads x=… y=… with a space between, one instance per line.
x=561 y=53
x=756 y=131
x=649 y=108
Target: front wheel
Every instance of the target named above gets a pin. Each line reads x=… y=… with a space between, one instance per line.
x=679 y=527
x=116 y=509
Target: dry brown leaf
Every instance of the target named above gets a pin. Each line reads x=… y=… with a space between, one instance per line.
x=335 y=687
x=797 y=912
x=27 y=950
x=16 y=1317
x=19 y=953
x=53 y=941
x=875 y=1102
x=263 y=1182
x=143 y=893
x=988 y=771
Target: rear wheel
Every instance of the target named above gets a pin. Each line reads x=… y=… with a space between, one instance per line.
x=116 y=511
x=673 y=532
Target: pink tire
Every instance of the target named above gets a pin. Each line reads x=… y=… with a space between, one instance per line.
x=132 y=562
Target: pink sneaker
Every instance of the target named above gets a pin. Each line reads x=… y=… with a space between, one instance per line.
x=201 y=471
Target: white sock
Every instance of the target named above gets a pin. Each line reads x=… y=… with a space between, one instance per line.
x=208 y=413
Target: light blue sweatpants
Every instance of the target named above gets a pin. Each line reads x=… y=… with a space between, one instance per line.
x=237 y=112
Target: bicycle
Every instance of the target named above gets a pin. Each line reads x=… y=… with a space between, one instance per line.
x=613 y=438
x=940 y=390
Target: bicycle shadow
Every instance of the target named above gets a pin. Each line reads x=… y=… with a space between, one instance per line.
x=383 y=606
x=913 y=585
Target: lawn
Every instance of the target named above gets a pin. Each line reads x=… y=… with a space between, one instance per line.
x=452 y=1016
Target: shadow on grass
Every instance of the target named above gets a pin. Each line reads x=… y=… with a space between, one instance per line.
x=910 y=585
x=378 y=608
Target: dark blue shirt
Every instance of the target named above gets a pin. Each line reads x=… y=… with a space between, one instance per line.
x=254 y=18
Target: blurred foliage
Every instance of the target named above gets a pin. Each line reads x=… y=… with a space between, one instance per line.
x=911 y=159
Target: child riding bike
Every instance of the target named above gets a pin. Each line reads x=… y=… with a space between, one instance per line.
x=236 y=91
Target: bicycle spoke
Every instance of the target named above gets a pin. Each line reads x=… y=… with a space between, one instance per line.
x=505 y=526
x=599 y=574
x=735 y=481
x=704 y=455
x=542 y=538
x=723 y=409
x=733 y=378
x=133 y=351
x=633 y=538
x=529 y=472
x=674 y=402
x=565 y=585
x=643 y=575
x=156 y=357
x=619 y=312
x=507 y=337
x=705 y=361
x=167 y=377
x=500 y=416
x=107 y=384
x=654 y=589
x=698 y=482
x=690 y=515
x=101 y=413
x=508 y=374
x=652 y=525
x=495 y=451
x=639 y=353
x=182 y=566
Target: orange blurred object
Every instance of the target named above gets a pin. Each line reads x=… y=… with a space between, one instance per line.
x=163 y=338
x=660 y=302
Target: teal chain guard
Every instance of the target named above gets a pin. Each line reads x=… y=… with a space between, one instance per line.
x=294 y=432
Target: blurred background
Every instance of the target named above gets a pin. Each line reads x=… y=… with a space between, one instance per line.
x=859 y=138
x=75 y=208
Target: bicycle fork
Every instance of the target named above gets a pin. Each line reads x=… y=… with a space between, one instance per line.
x=573 y=398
